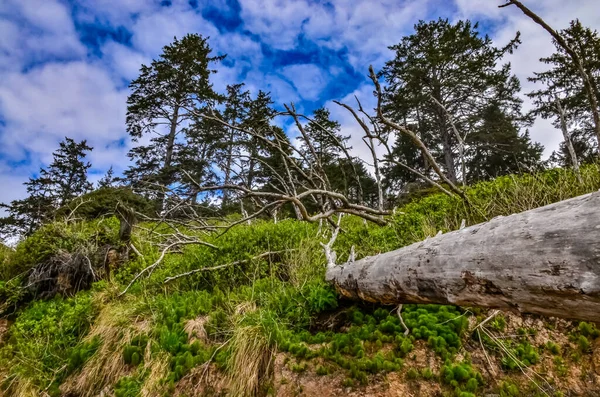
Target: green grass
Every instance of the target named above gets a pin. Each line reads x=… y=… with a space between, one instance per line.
x=273 y=304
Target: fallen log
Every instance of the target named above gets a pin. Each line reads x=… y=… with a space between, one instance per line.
x=544 y=261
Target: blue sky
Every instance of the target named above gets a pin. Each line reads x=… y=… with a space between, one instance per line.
x=65 y=64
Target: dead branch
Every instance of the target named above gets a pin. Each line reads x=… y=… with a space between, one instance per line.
x=567 y=138
x=150 y=269
x=218 y=267
x=586 y=76
x=416 y=140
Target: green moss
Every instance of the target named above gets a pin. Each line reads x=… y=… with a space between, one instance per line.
x=412 y=374
x=553 y=348
x=462 y=377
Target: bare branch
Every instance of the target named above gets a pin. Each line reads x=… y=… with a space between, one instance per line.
x=588 y=79
x=209 y=269
x=416 y=140
x=150 y=269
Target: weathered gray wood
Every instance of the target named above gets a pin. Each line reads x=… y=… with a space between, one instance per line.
x=544 y=261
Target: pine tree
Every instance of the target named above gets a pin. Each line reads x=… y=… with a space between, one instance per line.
x=63 y=180
x=454 y=66
x=324 y=134
x=108 y=180
x=162 y=103
x=563 y=82
x=497 y=147
x=66 y=176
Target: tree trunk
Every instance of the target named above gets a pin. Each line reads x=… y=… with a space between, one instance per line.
x=568 y=142
x=544 y=261
x=171 y=140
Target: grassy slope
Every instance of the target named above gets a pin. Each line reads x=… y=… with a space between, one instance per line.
x=271 y=325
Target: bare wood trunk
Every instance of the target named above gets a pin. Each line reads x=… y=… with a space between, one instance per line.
x=544 y=261
x=568 y=143
x=171 y=139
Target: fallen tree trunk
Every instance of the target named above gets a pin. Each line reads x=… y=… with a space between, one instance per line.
x=544 y=261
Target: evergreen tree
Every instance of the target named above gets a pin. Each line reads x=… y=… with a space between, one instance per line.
x=258 y=121
x=108 y=180
x=324 y=134
x=63 y=180
x=234 y=113
x=563 y=82
x=66 y=177
x=454 y=66
x=497 y=147
x=162 y=103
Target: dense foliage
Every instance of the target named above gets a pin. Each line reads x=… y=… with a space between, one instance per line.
x=160 y=333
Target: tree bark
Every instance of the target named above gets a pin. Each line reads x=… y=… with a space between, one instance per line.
x=568 y=142
x=171 y=140
x=544 y=261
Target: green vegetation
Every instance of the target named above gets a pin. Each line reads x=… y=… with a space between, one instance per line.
x=239 y=316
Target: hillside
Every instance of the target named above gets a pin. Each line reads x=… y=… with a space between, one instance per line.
x=269 y=325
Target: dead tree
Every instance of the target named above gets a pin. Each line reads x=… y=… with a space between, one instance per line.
x=414 y=137
x=586 y=75
x=544 y=261
x=567 y=138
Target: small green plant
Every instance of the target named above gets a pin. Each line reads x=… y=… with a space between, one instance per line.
x=588 y=330
x=560 y=366
x=509 y=389
x=82 y=352
x=461 y=376
x=128 y=387
x=412 y=374
x=583 y=344
x=321 y=370
x=525 y=355
x=441 y=326
x=299 y=367
x=427 y=373
x=553 y=348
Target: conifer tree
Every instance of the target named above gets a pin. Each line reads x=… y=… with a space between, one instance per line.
x=55 y=186
x=108 y=180
x=442 y=77
x=162 y=104
x=563 y=82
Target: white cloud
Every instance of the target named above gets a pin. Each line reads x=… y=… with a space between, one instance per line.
x=122 y=61
x=35 y=31
x=46 y=104
x=277 y=22
x=308 y=79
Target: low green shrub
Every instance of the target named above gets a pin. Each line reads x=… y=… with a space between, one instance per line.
x=462 y=377
x=45 y=337
x=509 y=389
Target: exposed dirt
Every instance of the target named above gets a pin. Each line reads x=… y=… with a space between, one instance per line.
x=4 y=325
x=578 y=375
x=205 y=380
